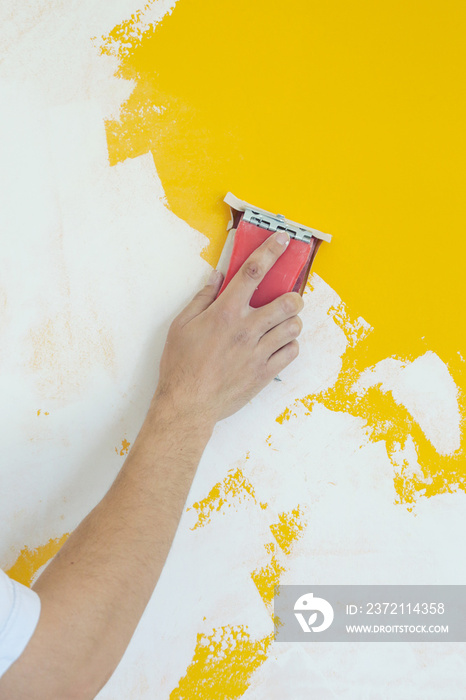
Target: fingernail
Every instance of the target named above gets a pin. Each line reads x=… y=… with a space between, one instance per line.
x=213 y=277
x=282 y=237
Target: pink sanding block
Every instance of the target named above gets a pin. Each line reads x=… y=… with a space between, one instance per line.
x=249 y=226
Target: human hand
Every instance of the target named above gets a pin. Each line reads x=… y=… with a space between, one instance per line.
x=220 y=352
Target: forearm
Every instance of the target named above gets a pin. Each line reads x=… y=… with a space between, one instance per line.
x=219 y=353
x=95 y=590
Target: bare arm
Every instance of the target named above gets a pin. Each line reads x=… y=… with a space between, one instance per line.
x=219 y=353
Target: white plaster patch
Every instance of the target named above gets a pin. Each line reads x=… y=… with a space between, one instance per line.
x=289 y=666
x=84 y=307
x=406 y=460
x=428 y=391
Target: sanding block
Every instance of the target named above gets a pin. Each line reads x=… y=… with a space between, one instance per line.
x=248 y=228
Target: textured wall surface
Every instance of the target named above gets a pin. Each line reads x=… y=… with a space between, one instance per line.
x=122 y=126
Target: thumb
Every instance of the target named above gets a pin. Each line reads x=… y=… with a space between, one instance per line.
x=203 y=298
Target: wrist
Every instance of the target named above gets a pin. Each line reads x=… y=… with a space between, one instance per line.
x=178 y=417
x=166 y=437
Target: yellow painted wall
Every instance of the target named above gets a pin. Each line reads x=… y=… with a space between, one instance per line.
x=348 y=117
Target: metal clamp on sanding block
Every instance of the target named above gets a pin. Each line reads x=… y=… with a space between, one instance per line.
x=248 y=228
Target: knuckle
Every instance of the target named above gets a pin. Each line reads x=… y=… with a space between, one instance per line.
x=287 y=305
x=202 y=293
x=225 y=315
x=292 y=303
x=223 y=310
x=242 y=336
x=252 y=269
x=298 y=301
x=296 y=325
x=274 y=247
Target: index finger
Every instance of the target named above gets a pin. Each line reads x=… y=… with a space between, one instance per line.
x=255 y=267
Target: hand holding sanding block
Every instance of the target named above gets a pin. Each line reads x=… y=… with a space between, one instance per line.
x=248 y=228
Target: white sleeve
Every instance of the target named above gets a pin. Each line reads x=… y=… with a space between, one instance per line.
x=19 y=614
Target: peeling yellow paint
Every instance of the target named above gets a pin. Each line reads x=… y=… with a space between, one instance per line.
x=285 y=415
x=234 y=486
x=222 y=665
x=125 y=445
x=289 y=528
x=29 y=561
x=389 y=421
x=355 y=329
x=267 y=577
x=224 y=661
x=385 y=419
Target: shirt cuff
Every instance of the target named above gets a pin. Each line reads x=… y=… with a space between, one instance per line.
x=20 y=625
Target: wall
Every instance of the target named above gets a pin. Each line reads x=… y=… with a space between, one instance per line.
x=122 y=127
